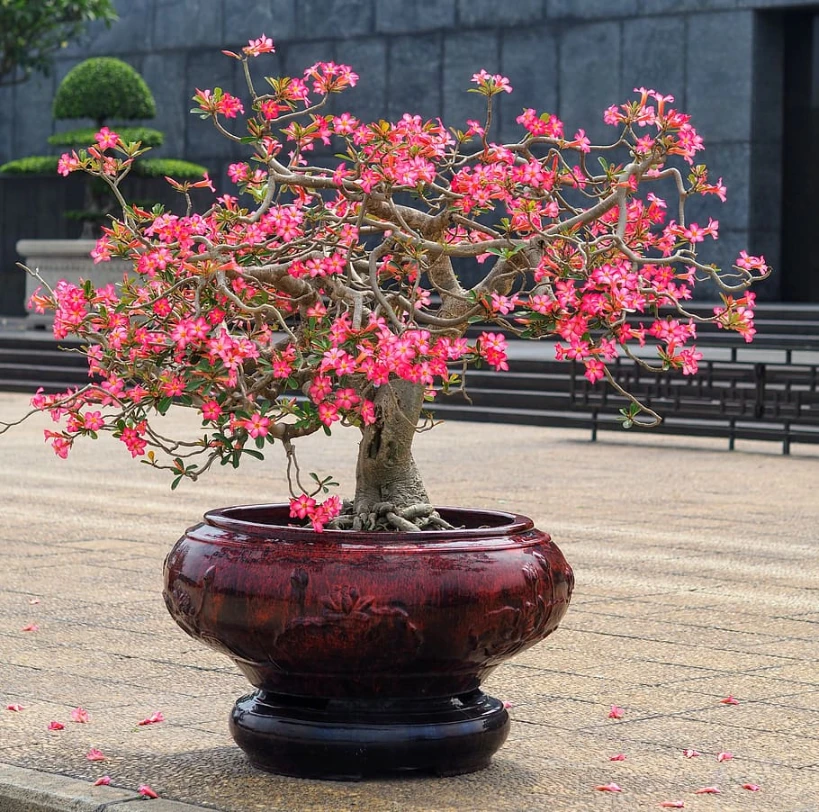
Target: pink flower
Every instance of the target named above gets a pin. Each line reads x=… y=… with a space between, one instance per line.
x=691 y=753
x=211 y=410
x=618 y=757
x=79 y=715
x=262 y=45
x=301 y=506
x=146 y=792
x=724 y=756
x=103 y=781
x=729 y=700
x=32 y=627
x=106 y=138
x=752 y=787
x=612 y=787
x=56 y=726
x=707 y=791
x=14 y=707
x=256 y=425
x=95 y=755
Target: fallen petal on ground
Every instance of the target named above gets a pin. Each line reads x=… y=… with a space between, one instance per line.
x=146 y=791
x=616 y=712
x=707 y=791
x=153 y=719
x=79 y=715
x=103 y=781
x=95 y=755
x=609 y=788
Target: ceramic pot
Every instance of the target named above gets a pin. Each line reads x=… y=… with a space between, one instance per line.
x=367 y=650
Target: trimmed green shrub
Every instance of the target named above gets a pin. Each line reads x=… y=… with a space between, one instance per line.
x=173 y=167
x=34 y=165
x=84 y=136
x=144 y=168
x=103 y=88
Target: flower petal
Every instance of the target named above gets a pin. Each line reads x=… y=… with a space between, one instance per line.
x=32 y=627
x=103 y=781
x=752 y=787
x=146 y=791
x=729 y=700
x=691 y=753
x=153 y=719
x=612 y=787
x=618 y=757
x=14 y=707
x=79 y=715
x=724 y=756
x=34 y=601
x=673 y=804
x=56 y=726
x=707 y=791
x=95 y=755
x=616 y=712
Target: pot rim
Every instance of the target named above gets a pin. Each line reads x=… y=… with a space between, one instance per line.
x=510 y=524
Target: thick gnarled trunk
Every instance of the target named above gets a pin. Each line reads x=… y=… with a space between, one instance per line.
x=386 y=472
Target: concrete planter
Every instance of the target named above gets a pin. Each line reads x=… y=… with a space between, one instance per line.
x=65 y=259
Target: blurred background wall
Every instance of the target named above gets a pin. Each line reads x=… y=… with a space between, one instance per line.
x=746 y=70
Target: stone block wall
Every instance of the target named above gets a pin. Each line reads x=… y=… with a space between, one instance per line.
x=572 y=57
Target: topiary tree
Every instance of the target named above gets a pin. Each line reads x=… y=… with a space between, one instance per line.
x=104 y=89
x=32 y=32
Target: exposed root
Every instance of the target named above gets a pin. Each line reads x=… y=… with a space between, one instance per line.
x=386 y=516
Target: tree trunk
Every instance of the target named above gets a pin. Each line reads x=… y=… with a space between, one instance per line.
x=386 y=471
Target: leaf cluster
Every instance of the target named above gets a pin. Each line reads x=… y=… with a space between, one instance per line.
x=32 y=31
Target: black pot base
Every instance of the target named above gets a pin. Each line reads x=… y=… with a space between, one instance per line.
x=349 y=740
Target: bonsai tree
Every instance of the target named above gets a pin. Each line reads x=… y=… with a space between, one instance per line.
x=103 y=89
x=32 y=32
x=326 y=297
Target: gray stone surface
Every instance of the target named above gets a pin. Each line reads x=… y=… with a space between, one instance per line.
x=732 y=163
x=206 y=70
x=590 y=9
x=249 y=19
x=719 y=69
x=417 y=90
x=188 y=23
x=529 y=57
x=464 y=55
x=32 y=122
x=492 y=13
x=589 y=77
x=173 y=102
x=654 y=56
x=133 y=32
x=338 y=19
x=368 y=58
x=400 y=17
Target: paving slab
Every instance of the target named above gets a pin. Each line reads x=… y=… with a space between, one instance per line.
x=697 y=578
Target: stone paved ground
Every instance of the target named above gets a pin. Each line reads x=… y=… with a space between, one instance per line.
x=697 y=577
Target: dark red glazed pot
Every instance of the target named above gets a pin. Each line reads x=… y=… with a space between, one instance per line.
x=367 y=649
